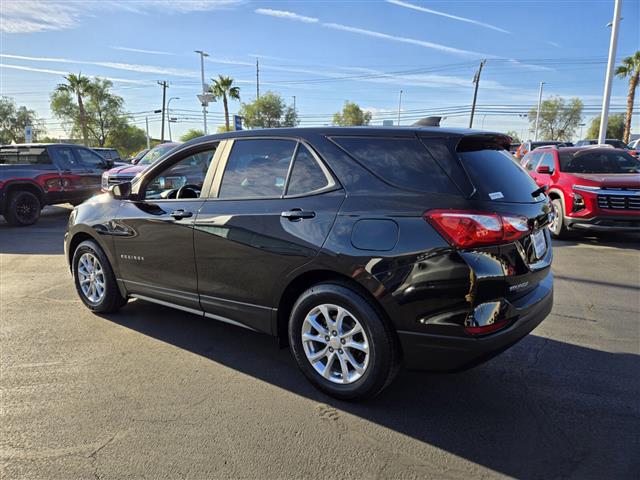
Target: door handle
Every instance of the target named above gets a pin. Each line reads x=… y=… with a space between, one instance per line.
x=297 y=214
x=180 y=214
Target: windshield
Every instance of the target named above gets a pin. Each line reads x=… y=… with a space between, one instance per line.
x=613 y=161
x=154 y=154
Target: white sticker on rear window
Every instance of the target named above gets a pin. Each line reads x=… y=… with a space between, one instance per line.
x=496 y=195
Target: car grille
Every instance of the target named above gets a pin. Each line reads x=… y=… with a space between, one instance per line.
x=115 y=180
x=630 y=201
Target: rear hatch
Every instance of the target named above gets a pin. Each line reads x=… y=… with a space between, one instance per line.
x=497 y=186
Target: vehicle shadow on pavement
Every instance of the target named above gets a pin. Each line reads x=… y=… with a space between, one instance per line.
x=45 y=237
x=543 y=409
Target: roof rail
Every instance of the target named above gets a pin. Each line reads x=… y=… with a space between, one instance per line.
x=599 y=145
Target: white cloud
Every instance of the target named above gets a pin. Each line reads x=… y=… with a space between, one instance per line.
x=19 y=16
x=447 y=15
x=130 y=67
x=553 y=44
x=140 y=50
x=286 y=14
x=412 y=41
x=62 y=72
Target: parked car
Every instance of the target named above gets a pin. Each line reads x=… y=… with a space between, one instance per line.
x=614 y=142
x=634 y=144
x=529 y=146
x=109 y=154
x=353 y=245
x=595 y=188
x=35 y=175
x=138 y=156
x=125 y=173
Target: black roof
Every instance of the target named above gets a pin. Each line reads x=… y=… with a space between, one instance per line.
x=337 y=131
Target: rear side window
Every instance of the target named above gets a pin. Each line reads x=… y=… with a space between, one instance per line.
x=25 y=156
x=497 y=177
x=306 y=176
x=402 y=162
x=257 y=168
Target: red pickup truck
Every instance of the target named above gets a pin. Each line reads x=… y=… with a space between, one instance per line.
x=592 y=188
x=35 y=175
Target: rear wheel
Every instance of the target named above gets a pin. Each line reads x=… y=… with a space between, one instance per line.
x=341 y=342
x=94 y=279
x=23 y=209
x=557 y=226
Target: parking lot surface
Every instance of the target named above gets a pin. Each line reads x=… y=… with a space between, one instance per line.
x=153 y=393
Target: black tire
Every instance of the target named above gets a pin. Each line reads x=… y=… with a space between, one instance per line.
x=558 y=228
x=111 y=300
x=384 y=350
x=23 y=208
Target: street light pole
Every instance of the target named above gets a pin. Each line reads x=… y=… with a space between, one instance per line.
x=604 y=119
x=535 y=134
x=204 y=87
x=399 y=106
x=169 y=115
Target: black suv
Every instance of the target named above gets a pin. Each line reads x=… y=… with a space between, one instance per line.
x=362 y=248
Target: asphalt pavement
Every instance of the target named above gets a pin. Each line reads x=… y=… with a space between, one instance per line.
x=155 y=393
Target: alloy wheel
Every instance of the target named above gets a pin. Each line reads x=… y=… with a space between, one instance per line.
x=335 y=344
x=91 y=277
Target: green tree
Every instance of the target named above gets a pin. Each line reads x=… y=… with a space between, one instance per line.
x=630 y=69
x=191 y=134
x=79 y=86
x=351 y=115
x=102 y=111
x=558 y=119
x=514 y=136
x=128 y=139
x=268 y=111
x=13 y=121
x=222 y=87
x=615 y=127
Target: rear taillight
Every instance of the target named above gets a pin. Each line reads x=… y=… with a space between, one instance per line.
x=464 y=229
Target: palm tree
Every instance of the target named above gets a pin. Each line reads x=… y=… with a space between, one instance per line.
x=222 y=88
x=78 y=85
x=630 y=69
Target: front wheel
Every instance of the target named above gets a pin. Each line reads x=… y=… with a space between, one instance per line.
x=557 y=227
x=341 y=342
x=94 y=279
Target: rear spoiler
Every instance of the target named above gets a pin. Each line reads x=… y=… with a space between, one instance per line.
x=428 y=122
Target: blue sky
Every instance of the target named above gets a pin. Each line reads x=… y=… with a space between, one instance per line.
x=323 y=52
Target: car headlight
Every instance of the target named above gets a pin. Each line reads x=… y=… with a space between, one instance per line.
x=105 y=180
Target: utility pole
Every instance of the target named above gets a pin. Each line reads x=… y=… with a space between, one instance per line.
x=164 y=86
x=294 y=104
x=146 y=119
x=399 y=106
x=204 y=88
x=613 y=45
x=535 y=134
x=476 y=81
x=257 y=79
x=169 y=115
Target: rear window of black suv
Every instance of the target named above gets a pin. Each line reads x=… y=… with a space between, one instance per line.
x=400 y=161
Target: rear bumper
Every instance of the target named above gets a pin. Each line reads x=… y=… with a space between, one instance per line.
x=447 y=353
x=606 y=223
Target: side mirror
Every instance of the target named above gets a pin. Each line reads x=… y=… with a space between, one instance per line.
x=108 y=164
x=121 y=191
x=544 y=169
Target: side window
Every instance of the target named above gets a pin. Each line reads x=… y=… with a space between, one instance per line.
x=189 y=172
x=527 y=162
x=547 y=160
x=66 y=159
x=21 y=156
x=403 y=162
x=307 y=175
x=90 y=159
x=257 y=168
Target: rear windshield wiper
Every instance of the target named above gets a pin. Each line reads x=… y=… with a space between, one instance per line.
x=538 y=191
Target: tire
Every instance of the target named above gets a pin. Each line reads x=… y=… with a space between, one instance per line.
x=89 y=258
x=23 y=208
x=558 y=228
x=376 y=369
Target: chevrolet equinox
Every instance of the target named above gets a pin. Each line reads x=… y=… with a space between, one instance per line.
x=361 y=248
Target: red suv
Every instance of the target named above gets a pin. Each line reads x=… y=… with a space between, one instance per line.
x=594 y=188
